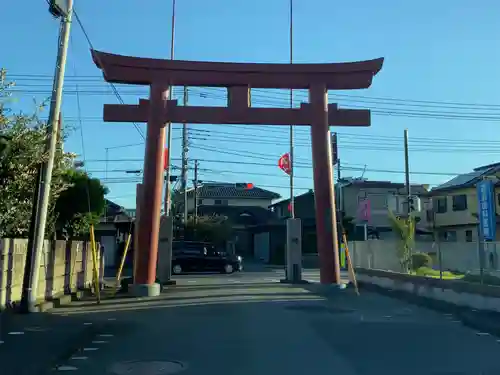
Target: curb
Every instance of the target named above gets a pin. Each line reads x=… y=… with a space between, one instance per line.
x=481 y=320
x=54 y=302
x=62 y=300
x=330 y=290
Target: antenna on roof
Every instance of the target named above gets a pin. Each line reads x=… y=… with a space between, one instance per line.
x=364 y=170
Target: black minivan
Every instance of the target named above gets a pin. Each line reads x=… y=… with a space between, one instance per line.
x=193 y=256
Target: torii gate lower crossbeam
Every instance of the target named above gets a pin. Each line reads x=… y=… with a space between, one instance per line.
x=237 y=78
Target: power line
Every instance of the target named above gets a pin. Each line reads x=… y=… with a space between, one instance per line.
x=356 y=98
x=115 y=91
x=276 y=100
x=302 y=165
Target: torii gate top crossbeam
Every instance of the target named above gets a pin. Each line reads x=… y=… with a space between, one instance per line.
x=145 y=71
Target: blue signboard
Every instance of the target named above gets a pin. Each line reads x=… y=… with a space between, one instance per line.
x=486 y=209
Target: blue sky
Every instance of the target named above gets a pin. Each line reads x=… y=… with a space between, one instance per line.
x=436 y=51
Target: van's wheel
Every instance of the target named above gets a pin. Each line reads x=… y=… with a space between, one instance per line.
x=228 y=268
x=177 y=269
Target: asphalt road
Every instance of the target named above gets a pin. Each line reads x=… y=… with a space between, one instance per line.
x=255 y=275
x=216 y=325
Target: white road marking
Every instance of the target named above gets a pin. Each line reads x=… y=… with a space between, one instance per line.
x=66 y=368
x=106 y=335
x=111 y=319
x=79 y=358
x=16 y=333
x=99 y=342
x=482 y=333
x=87 y=324
x=90 y=349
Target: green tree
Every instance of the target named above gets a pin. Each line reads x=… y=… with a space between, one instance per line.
x=405 y=230
x=214 y=229
x=23 y=152
x=81 y=204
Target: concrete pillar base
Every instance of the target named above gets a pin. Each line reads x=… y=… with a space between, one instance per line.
x=146 y=290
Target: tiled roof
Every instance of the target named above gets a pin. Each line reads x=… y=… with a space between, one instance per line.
x=380 y=184
x=468 y=179
x=233 y=190
x=113 y=209
x=296 y=199
x=361 y=183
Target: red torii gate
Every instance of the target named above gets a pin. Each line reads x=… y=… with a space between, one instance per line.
x=238 y=78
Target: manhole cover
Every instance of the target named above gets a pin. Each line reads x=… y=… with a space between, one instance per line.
x=320 y=309
x=147 y=368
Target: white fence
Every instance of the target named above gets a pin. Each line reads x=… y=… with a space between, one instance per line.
x=455 y=256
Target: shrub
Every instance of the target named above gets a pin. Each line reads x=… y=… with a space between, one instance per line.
x=421 y=260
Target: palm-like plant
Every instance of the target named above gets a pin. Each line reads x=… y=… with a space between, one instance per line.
x=405 y=229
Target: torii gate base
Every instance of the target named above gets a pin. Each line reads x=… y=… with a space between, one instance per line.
x=238 y=79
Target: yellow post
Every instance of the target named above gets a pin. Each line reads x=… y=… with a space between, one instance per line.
x=122 y=262
x=350 y=267
x=94 y=264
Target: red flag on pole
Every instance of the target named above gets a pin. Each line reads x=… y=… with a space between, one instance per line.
x=284 y=163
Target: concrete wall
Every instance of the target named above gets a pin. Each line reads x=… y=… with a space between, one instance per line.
x=456 y=256
x=455 y=292
x=65 y=267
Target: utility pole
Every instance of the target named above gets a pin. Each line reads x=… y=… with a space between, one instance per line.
x=292 y=200
x=409 y=199
x=341 y=196
x=106 y=179
x=407 y=174
x=41 y=200
x=195 y=183
x=185 y=150
x=168 y=205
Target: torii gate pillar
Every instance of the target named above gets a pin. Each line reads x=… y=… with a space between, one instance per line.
x=324 y=198
x=150 y=202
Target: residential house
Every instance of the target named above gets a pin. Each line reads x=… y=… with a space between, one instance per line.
x=455 y=205
x=382 y=195
x=243 y=205
x=112 y=230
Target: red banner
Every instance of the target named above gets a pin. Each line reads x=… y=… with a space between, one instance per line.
x=285 y=164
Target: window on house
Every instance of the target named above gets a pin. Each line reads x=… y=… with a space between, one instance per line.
x=468 y=236
x=441 y=205
x=460 y=202
x=220 y=202
x=450 y=236
x=200 y=202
